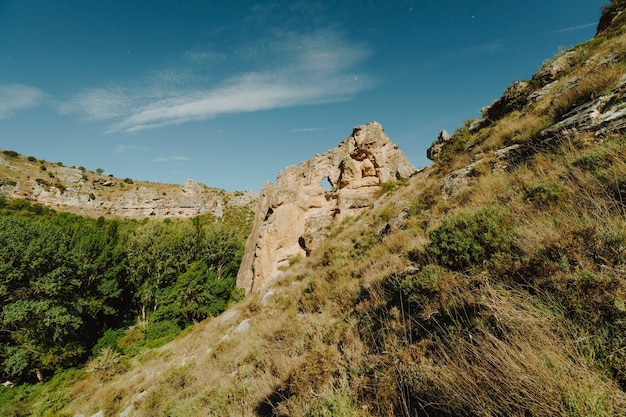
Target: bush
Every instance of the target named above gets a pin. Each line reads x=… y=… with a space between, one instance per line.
x=471 y=238
x=32 y=159
x=42 y=182
x=544 y=193
x=161 y=329
x=107 y=364
x=60 y=186
x=389 y=186
x=592 y=160
x=108 y=340
x=11 y=154
x=420 y=287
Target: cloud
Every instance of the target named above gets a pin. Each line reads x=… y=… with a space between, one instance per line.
x=310 y=129
x=15 y=97
x=172 y=158
x=493 y=47
x=286 y=70
x=573 y=28
x=100 y=103
x=124 y=148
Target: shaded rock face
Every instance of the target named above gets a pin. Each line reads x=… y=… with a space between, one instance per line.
x=293 y=214
x=435 y=149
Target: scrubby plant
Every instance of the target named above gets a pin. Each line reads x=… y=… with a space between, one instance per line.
x=472 y=237
x=544 y=193
x=108 y=363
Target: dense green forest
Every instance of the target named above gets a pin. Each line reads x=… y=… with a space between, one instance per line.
x=71 y=286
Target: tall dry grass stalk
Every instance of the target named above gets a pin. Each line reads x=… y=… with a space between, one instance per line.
x=517 y=360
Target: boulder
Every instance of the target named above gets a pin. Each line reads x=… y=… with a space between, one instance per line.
x=435 y=149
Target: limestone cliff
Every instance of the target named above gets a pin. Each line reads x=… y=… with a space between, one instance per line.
x=292 y=214
x=87 y=193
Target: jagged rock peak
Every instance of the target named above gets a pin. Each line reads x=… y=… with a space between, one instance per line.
x=293 y=214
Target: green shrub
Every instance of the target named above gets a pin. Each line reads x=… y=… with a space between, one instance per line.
x=544 y=193
x=109 y=340
x=32 y=159
x=107 y=364
x=42 y=182
x=60 y=186
x=43 y=167
x=389 y=186
x=162 y=329
x=420 y=287
x=128 y=180
x=471 y=238
x=11 y=154
x=592 y=160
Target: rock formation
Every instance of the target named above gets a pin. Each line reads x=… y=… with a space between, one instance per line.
x=291 y=215
x=86 y=193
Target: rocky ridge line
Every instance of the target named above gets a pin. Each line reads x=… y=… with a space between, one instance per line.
x=85 y=193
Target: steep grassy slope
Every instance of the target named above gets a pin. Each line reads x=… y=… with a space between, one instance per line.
x=491 y=284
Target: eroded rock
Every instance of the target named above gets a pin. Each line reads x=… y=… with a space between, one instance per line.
x=293 y=215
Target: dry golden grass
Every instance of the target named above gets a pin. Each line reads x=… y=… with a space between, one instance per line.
x=517 y=128
x=519 y=368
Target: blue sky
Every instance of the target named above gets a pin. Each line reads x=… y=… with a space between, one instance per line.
x=230 y=93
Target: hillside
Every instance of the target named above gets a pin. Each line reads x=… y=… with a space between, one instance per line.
x=88 y=193
x=492 y=283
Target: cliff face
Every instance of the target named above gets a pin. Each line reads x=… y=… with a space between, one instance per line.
x=90 y=194
x=292 y=214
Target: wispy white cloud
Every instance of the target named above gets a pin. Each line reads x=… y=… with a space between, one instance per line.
x=573 y=28
x=124 y=148
x=493 y=47
x=310 y=129
x=171 y=158
x=16 y=97
x=287 y=70
x=100 y=103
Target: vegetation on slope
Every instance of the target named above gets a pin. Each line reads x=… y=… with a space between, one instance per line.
x=74 y=287
x=505 y=296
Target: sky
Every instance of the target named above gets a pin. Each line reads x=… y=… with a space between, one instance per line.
x=229 y=93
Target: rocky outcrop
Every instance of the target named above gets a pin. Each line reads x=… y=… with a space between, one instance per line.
x=435 y=149
x=603 y=115
x=85 y=193
x=293 y=214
